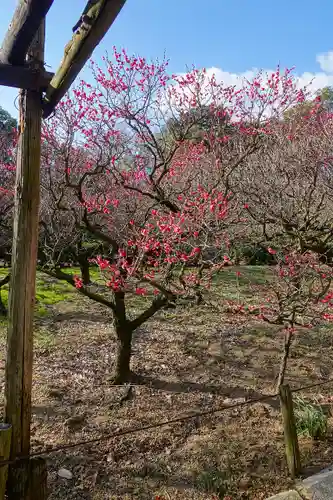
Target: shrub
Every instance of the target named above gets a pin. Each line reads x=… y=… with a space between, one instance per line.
x=212 y=481
x=311 y=420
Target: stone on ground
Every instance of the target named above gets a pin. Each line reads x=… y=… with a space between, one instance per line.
x=318 y=487
x=286 y=495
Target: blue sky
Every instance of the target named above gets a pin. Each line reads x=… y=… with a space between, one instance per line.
x=232 y=36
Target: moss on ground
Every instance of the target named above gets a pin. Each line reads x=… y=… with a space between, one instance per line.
x=49 y=291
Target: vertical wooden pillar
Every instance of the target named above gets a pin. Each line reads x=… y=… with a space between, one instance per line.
x=290 y=434
x=24 y=258
x=37 y=479
x=5 y=438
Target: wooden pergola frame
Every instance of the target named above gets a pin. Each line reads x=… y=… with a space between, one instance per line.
x=22 y=66
x=15 y=71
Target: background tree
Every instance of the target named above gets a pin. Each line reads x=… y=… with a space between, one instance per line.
x=326 y=96
x=7 y=122
x=287 y=187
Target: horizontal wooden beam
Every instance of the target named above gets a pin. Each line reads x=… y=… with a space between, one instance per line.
x=24 y=77
x=25 y=23
x=97 y=18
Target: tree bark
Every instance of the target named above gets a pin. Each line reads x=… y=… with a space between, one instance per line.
x=198 y=298
x=85 y=271
x=83 y=263
x=124 y=351
x=284 y=360
x=124 y=331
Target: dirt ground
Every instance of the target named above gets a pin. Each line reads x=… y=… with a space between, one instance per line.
x=193 y=359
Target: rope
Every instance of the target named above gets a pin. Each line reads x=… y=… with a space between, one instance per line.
x=163 y=423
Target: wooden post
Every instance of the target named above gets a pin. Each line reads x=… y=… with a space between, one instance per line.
x=37 y=479
x=29 y=481
x=23 y=272
x=100 y=15
x=24 y=77
x=22 y=30
x=290 y=434
x=5 y=438
x=18 y=477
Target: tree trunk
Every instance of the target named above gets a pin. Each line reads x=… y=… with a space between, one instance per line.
x=124 y=350
x=85 y=271
x=198 y=293
x=83 y=263
x=198 y=298
x=3 y=310
x=283 y=365
x=124 y=331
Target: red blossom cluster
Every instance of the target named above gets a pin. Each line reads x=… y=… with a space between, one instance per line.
x=168 y=239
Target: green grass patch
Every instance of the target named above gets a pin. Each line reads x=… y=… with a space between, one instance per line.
x=4 y=295
x=232 y=283
x=49 y=292
x=95 y=274
x=239 y=283
x=311 y=420
x=256 y=275
x=52 y=296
